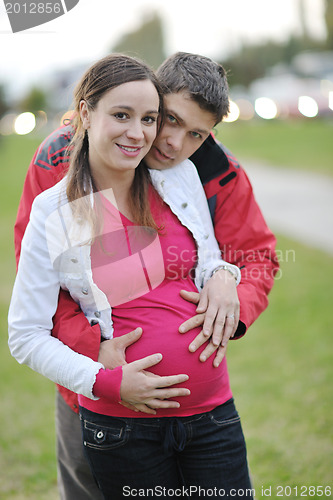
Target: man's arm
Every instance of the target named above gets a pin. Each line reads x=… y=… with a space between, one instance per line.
x=240 y=229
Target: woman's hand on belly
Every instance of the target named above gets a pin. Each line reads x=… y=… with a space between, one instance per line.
x=217 y=312
x=147 y=391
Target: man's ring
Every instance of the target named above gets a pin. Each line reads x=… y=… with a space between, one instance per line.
x=231 y=316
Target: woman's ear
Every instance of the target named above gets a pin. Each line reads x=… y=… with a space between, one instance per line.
x=84 y=114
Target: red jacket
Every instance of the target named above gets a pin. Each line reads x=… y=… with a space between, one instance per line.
x=240 y=229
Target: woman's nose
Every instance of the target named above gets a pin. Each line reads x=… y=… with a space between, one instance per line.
x=135 y=130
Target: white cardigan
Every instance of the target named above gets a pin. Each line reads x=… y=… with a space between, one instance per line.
x=53 y=255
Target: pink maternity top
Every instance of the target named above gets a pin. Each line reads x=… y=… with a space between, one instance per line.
x=142 y=272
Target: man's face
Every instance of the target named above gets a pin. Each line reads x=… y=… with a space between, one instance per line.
x=185 y=128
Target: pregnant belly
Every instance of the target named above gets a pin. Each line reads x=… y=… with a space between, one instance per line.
x=209 y=385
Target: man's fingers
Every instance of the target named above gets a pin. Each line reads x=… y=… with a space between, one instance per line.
x=199 y=340
x=203 y=303
x=190 y=296
x=211 y=349
x=129 y=338
x=207 y=352
x=220 y=353
x=191 y=323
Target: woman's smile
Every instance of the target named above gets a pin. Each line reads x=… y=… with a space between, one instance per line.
x=132 y=151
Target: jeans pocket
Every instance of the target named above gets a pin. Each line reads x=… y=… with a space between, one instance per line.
x=102 y=437
x=224 y=415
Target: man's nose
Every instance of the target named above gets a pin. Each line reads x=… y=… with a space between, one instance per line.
x=176 y=141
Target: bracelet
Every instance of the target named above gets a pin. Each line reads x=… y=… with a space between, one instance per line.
x=225 y=268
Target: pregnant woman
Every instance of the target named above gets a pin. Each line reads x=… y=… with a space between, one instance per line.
x=124 y=241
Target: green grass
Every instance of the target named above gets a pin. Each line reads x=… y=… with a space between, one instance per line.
x=301 y=144
x=281 y=372
x=27 y=437
x=281 y=375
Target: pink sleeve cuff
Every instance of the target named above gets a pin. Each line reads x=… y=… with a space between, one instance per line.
x=107 y=384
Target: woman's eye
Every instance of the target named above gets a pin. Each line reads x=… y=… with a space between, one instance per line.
x=149 y=120
x=120 y=116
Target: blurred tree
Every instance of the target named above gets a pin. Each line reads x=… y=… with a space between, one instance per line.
x=34 y=100
x=329 y=23
x=302 y=18
x=146 y=42
x=3 y=100
x=253 y=61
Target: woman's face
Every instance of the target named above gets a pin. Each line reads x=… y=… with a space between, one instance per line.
x=121 y=130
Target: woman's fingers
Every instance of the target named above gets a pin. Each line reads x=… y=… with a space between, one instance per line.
x=139 y=386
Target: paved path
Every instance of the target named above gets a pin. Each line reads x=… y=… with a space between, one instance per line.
x=295 y=204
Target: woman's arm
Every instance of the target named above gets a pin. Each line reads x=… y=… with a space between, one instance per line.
x=33 y=304
x=34 y=301
x=218 y=304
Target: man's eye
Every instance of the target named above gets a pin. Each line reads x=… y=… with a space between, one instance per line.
x=171 y=119
x=196 y=135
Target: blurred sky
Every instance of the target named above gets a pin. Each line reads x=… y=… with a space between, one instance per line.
x=212 y=27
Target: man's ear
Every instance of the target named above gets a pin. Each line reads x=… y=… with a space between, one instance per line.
x=84 y=114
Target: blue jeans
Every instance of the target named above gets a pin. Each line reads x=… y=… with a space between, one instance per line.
x=196 y=456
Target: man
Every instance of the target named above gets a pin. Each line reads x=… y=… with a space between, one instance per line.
x=196 y=98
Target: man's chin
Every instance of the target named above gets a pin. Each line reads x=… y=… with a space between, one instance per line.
x=155 y=164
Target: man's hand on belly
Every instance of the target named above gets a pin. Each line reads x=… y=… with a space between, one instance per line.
x=112 y=353
x=218 y=313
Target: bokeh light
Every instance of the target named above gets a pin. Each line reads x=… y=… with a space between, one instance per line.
x=307 y=106
x=330 y=100
x=7 y=124
x=25 y=123
x=233 y=114
x=265 y=108
x=246 y=110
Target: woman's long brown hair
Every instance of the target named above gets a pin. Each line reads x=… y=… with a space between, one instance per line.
x=103 y=76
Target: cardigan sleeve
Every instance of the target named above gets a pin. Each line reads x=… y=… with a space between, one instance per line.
x=210 y=253
x=47 y=167
x=33 y=304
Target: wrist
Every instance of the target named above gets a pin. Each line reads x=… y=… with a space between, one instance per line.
x=227 y=269
x=107 y=384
